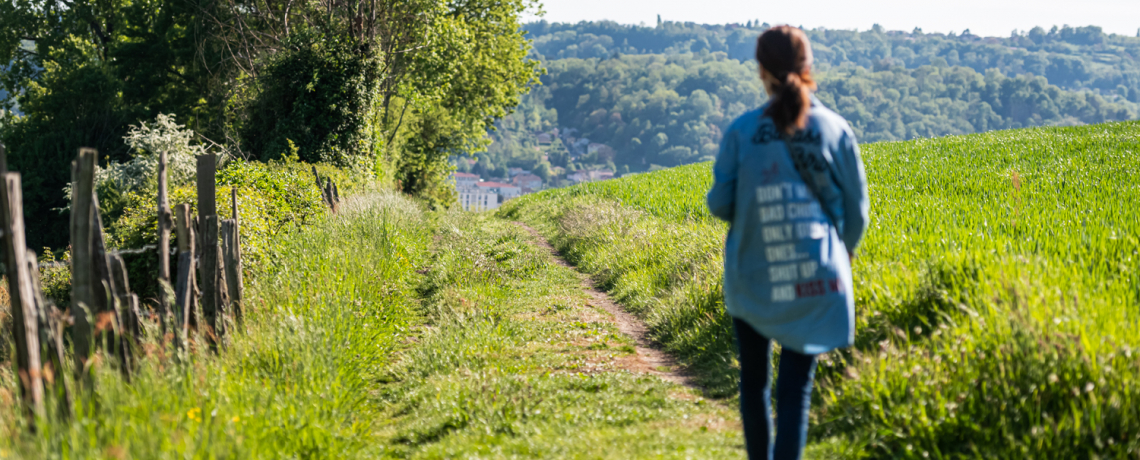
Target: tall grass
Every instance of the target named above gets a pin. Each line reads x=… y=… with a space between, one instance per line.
x=321 y=324
x=998 y=290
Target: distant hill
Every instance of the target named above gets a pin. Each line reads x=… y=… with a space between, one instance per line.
x=651 y=97
x=1071 y=58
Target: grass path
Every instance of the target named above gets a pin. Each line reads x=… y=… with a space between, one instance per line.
x=519 y=357
x=647 y=359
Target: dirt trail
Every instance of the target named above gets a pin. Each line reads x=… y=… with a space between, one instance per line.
x=649 y=360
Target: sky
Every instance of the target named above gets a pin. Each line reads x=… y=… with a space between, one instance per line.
x=982 y=17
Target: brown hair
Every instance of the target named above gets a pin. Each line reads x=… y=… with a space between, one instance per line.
x=784 y=51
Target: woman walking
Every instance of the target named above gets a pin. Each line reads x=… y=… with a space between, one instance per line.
x=790 y=182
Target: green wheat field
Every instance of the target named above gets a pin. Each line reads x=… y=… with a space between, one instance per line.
x=998 y=292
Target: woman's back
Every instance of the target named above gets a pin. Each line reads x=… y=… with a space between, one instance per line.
x=787 y=270
x=790 y=182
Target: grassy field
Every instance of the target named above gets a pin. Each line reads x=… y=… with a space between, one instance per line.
x=392 y=332
x=998 y=291
x=322 y=324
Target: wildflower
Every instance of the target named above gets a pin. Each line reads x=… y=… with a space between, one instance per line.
x=1052 y=378
x=1089 y=387
x=194 y=414
x=235 y=419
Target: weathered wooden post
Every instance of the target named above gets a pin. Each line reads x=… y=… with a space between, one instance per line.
x=320 y=186
x=82 y=263
x=209 y=266
x=212 y=307
x=231 y=248
x=184 y=292
x=25 y=325
x=107 y=293
x=164 y=225
x=329 y=195
x=51 y=340
x=128 y=302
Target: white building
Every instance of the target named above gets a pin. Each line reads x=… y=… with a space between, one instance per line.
x=465 y=180
x=505 y=191
x=477 y=199
x=476 y=195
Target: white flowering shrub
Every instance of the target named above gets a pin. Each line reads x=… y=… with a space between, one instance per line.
x=146 y=141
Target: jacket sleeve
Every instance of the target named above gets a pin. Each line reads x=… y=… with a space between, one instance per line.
x=853 y=182
x=722 y=197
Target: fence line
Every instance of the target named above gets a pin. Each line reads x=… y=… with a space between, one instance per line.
x=132 y=251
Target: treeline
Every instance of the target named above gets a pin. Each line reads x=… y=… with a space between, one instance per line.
x=1070 y=57
x=390 y=88
x=658 y=110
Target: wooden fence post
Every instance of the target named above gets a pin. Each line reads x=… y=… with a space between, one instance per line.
x=24 y=317
x=51 y=340
x=164 y=225
x=128 y=304
x=184 y=293
x=320 y=186
x=231 y=250
x=107 y=295
x=82 y=264
x=213 y=309
x=329 y=195
x=208 y=266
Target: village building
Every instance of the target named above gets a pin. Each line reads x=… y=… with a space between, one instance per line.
x=477 y=199
x=504 y=191
x=527 y=181
x=465 y=180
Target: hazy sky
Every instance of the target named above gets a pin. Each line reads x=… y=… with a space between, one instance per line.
x=982 y=17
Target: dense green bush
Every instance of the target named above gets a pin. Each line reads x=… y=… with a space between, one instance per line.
x=320 y=94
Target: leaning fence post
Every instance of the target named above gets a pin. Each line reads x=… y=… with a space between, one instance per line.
x=24 y=318
x=128 y=313
x=184 y=292
x=107 y=295
x=320 y=186
x=82 y=264
x=51 y=340
x=329 y=194
x=164 y=225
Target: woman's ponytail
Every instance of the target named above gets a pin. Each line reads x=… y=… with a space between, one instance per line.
x=784 y=52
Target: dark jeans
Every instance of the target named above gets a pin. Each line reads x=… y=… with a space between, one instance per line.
x=793 y=396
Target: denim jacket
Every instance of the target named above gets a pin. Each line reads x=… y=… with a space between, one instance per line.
x=786 y=267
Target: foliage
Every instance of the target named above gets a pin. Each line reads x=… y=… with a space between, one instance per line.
x=336 y=82
x=670 y=109
x=661 y=95
x=320 y=326
x=319 y=94
x=148 y=142
x=996 y=292
x=274 y=200
x=1070 y=57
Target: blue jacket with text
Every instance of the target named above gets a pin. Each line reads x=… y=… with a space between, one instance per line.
x=786 y=266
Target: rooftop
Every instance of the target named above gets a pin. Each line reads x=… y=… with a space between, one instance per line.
x=493 y=184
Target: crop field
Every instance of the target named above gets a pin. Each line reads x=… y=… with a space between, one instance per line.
x=998 y=291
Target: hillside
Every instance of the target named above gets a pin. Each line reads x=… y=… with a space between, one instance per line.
x=997 y=290
x=632 y=98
